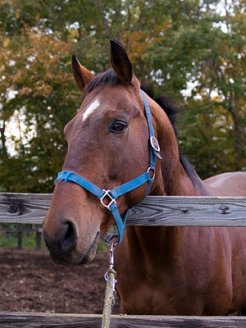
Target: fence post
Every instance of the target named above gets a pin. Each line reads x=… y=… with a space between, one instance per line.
x=38 y=237
x=19 y=236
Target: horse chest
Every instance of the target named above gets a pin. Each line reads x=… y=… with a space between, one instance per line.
x=143 y=296
x=169 y=291
x=144 y=293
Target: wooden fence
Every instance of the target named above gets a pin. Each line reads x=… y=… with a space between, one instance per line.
x=47 y=320
x=152 y=211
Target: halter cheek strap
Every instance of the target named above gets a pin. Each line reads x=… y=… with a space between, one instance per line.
x=108 y=197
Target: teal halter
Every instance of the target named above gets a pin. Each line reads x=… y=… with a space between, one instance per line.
x=108 y=197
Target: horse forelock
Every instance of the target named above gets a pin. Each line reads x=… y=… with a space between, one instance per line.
x=101 y=79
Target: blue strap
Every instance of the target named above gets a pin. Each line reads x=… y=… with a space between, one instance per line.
x=119 y=220
x=151 y=129
x=69 y=176
x=148 y=114
x=148 y=176
x=98 y=192
x=131 y=185
x=78 y=179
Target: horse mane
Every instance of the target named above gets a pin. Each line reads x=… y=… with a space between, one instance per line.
x=167 y=105
x=110 y=77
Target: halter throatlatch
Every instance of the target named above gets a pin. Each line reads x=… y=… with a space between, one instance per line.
x=108 y=197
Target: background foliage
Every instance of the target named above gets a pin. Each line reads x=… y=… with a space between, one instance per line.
x=192 y=51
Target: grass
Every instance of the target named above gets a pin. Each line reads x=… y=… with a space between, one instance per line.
x=9 y=236
x=8 y=240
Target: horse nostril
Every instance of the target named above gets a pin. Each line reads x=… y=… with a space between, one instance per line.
x=69 y=236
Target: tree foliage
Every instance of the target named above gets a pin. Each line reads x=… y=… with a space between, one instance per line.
x=193 y=51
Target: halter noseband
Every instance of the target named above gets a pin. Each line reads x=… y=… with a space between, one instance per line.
x=108 y=197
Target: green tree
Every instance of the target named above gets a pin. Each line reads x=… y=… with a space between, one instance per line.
x=206 y=51
x=194 y=51
x=38 y=73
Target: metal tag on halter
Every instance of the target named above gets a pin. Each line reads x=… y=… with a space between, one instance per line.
x=155 y=144
x=156 y=147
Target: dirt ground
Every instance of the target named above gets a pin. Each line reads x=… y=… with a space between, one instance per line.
x=30 y=281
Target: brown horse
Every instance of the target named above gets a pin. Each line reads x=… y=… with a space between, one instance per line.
x=161 y=270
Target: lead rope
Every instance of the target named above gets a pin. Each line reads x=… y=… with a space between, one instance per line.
x=109 y=299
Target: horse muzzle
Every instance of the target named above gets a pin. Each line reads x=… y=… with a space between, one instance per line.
x=65 y=246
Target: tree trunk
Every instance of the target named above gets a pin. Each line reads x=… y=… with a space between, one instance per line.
x=3 y=149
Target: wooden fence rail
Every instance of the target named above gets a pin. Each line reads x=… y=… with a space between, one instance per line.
x=48 y=320
x=152 y=211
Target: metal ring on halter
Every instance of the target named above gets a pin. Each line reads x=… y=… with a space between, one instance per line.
x=150 y=169
x=111 y=199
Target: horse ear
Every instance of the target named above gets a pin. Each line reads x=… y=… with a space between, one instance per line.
x=81 y=74
x=120 y=62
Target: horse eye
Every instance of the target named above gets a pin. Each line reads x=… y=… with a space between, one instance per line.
x=117 y=126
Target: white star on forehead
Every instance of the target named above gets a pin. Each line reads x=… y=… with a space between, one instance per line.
x=90 y=109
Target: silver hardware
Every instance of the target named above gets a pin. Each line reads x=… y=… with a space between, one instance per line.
x=111 y=265
x=155 y=144
x=111 y=199
x=153 y=172
x=111 y=254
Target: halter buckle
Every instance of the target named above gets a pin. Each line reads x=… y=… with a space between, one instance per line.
x=109 y=198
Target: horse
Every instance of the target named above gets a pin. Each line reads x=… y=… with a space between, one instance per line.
x=161 y=270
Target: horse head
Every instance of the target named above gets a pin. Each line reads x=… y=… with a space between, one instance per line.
x=108 y=145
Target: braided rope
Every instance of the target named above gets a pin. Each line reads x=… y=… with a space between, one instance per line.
x=109 y=298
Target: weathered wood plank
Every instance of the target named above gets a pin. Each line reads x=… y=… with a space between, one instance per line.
x=152 y=211
x=38 y=320
x=189 y=211
x=23 y=208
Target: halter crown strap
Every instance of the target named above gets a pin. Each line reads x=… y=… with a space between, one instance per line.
x=108 y=197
